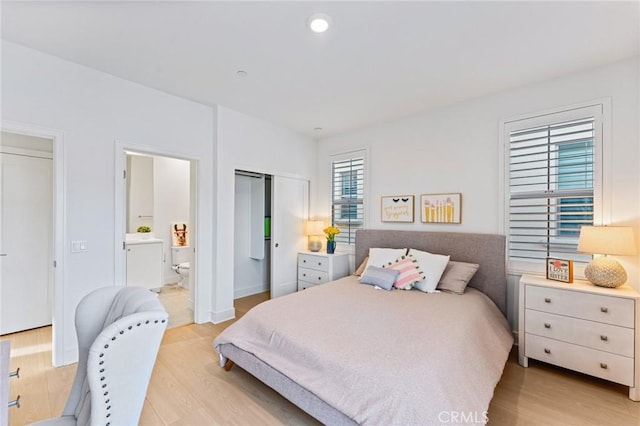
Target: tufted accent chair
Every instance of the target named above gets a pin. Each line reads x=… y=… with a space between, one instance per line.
x=119 y=332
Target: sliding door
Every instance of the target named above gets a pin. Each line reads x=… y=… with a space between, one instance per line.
x=289 y=212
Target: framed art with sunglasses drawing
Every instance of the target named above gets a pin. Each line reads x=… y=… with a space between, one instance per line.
x=397 y=208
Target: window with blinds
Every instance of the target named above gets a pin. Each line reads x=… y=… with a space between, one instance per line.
x=347 y=196
x=551 y=180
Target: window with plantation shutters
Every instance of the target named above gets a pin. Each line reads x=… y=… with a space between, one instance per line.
x=347 y=195
x=553 y=187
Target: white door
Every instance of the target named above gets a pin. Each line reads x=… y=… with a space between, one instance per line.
x=289 y=212
x=25 y=242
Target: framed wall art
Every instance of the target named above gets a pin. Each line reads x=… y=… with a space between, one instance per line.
x=397 y=208
x=441 y=208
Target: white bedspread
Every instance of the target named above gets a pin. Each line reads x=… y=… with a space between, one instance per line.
x=383 y=357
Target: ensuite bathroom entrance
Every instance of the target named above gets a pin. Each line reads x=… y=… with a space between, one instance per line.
x=160 y=233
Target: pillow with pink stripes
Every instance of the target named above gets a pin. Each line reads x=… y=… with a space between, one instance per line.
x=409 y=272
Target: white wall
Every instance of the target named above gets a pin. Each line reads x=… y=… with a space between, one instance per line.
x=247 y=143
x=455 y=149
x=93 y=110
x=171 y=204
x=140 y=192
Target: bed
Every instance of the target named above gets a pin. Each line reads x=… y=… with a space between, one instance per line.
x=348 y=353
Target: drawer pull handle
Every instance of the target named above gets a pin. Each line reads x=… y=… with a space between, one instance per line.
x=604 y=338
x=547 y=300
x=15 y=373
x=304 y=261
x=604 y=309
x=14 y=403
x=547 y=325
x=603 y=366
x=547 y=351
x=304 y=275
x=319 y=278
x=319 y=263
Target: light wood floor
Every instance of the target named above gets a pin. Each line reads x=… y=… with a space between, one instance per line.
x=189 y=388
x=175 y=300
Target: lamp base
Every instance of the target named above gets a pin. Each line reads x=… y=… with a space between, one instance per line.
x=605 y=272
x=315 y=244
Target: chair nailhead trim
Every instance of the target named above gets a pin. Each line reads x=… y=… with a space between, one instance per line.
x=101 y=362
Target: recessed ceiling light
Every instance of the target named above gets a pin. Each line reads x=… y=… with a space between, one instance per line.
x=241 y=73
x=319 y=22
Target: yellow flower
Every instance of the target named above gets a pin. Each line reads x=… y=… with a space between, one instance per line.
x=331 y=232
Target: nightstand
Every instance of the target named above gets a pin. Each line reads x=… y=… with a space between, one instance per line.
x=582 y=327
x=316 y=268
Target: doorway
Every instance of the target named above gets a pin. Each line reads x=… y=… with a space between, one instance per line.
x=159 y=230
x=252 y=234
x=270 y=214
x=26 y=235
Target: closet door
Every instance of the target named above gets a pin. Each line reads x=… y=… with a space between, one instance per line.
x=26 y=216
x=289 y=212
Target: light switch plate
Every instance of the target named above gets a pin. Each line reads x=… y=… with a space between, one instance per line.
x=78 y=246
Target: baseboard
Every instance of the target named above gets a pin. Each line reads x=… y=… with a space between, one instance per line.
x=222 y=316
x=248 y=291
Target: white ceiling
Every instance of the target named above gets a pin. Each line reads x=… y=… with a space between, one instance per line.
x=378 y=61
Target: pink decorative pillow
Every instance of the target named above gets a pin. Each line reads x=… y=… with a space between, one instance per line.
x=409 y=272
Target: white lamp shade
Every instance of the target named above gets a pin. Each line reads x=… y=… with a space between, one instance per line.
x=315 y=227
x=616 y=240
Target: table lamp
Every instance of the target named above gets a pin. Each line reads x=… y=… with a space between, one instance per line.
x=315 y=232
x=605 y=271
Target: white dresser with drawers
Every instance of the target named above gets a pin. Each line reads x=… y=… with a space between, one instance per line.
x=582 y=327
x=316 y=268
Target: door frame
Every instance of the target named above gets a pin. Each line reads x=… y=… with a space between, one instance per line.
x=120 y=214
x=59 y=229
x=273 y=174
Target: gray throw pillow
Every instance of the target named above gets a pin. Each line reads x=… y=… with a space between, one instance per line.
x=456 y=276
x=383 y=278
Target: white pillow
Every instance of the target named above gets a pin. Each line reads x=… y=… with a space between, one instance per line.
x=433 y=265
x=383 y=256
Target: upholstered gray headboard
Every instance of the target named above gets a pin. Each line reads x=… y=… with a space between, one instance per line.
x=487 y=250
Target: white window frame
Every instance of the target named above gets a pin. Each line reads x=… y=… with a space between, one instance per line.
x=602 y=168
x=343 y=156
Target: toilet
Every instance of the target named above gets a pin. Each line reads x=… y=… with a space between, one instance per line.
x=180 y=262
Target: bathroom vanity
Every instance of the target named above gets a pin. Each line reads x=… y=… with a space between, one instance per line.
x=144 y=263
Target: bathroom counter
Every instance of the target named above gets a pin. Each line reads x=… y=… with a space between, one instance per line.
x=136 y=240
